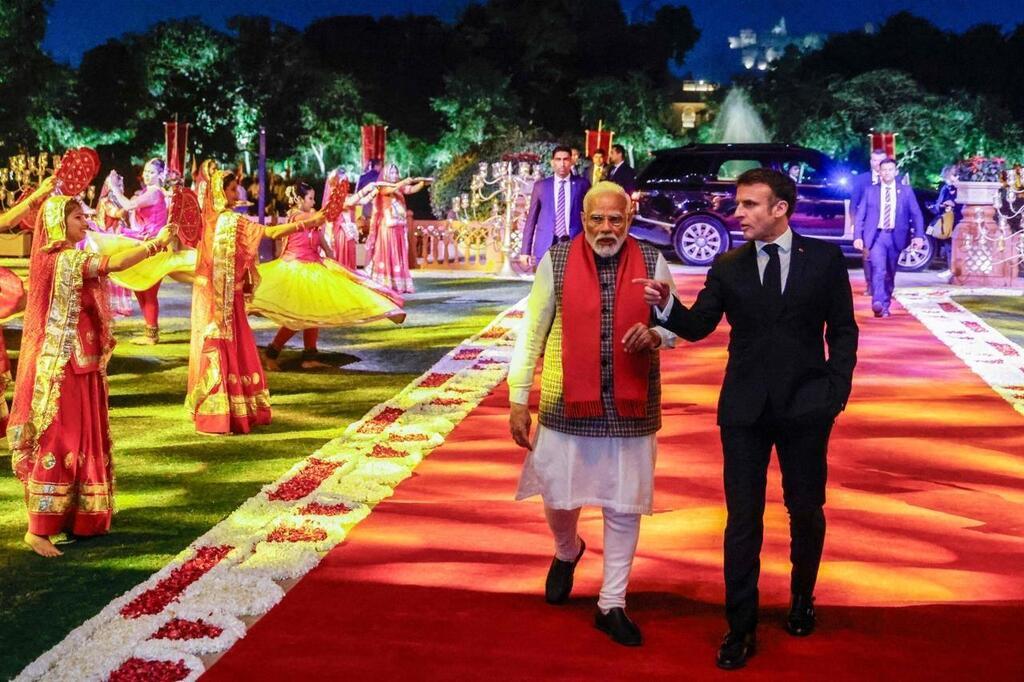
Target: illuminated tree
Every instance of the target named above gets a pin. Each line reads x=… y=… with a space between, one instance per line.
x=477 y=102
x=24 y=70
x=633 y=108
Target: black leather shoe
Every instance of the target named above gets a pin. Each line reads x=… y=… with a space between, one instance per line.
x=618 y=626
x=559 y=582
x=801 y=619
x=736 y=648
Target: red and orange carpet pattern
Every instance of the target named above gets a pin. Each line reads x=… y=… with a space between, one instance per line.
x=921 y=580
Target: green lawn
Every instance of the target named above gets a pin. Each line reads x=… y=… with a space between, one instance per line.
x=1005 y=313
x=173 y=485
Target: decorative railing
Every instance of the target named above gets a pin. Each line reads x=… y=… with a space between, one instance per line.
x=456 y=245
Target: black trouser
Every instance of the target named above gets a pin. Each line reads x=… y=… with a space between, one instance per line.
x=801 y=449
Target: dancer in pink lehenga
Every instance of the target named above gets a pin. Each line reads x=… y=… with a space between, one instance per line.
x=389 y=264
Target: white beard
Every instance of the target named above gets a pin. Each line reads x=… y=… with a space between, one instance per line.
x=606 y=251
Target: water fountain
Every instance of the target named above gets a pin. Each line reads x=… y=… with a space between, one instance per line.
x=738 y=120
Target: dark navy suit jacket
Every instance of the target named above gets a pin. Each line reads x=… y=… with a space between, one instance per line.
x=539 y=229
x=624 y=176
x=909 y=221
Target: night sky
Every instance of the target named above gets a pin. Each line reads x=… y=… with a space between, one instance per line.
x=76 y=26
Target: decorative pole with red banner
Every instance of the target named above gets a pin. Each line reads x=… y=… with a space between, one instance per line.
x=883 y=142
x=597 y=139
x=375 y=140
x=176 y=145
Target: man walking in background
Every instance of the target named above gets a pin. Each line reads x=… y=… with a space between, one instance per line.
x=888 y=219
x=556 y=208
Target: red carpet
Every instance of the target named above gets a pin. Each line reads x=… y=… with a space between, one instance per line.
x=921 y=577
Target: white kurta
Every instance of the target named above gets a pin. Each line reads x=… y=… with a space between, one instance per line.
x=572 y=471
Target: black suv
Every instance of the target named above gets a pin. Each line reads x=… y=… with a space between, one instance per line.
x=688 y=197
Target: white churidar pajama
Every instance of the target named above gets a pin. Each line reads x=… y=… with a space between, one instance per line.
x=569 y=471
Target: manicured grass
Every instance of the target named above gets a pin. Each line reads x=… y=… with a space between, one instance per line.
x=1005 y=313
x=173 y=485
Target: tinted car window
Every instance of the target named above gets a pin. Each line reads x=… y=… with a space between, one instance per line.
x=674 y=168
x=807 y=172
x=733 y=168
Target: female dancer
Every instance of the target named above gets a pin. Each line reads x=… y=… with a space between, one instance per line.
x=110 y=219
x=390 y=262
x=302 y=290
x=59 y=431
x=227 y=390
x=344 y=235
x=147 y=213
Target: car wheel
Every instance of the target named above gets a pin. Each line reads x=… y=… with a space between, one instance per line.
x=915 y=260
x=699 y=239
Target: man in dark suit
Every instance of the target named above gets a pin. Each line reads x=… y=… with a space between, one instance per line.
x=858 y=187
x=888 y=218
x=621 y=173
x=780 y=293
x=556 y=208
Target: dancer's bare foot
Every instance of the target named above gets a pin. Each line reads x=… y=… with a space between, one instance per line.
x=315 y=364
x=270 y=364
x=41 y=545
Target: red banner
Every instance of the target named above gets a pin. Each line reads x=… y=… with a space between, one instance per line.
x=176 y=145
x=884 y=142
x=597 y=139
x=375 y=140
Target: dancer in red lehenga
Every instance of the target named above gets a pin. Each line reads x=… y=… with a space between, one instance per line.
x=227 y=391
x=59 y=431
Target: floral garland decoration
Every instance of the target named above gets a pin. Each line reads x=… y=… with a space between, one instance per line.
x=194 y=605
x=993 y=357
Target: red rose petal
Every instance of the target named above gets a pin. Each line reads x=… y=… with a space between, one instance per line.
x=179 y=628
x=315 y=472
x=155 y=599
x=150 y=671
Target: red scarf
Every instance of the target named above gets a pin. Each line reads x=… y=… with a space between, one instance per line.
x=581 y=333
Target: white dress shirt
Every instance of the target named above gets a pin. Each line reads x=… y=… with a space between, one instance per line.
x=785 y=242
x=883 y=188
x=563 y=185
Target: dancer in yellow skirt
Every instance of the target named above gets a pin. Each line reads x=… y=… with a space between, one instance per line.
x=302 y=290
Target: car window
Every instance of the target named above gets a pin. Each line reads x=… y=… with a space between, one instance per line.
x=733 y=168
x=674 y=168
x=809 y=174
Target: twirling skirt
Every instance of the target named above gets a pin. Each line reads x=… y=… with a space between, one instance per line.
x=70 y=484
x=149 y=272
x=304 y=295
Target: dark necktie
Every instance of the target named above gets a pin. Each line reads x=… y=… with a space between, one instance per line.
x=772 y=281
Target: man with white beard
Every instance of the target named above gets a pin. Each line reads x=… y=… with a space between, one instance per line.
x=600 y=402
